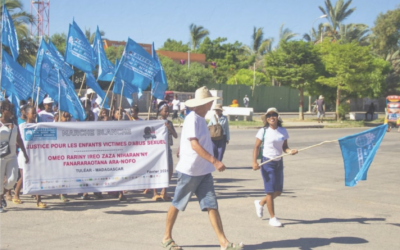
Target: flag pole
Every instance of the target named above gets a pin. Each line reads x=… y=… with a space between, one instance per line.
x=108 y=90
x=120 y=101
x=83 y=80
x=33 y=87
x=312 y=146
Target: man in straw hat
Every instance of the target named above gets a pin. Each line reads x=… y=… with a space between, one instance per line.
x=196 y=163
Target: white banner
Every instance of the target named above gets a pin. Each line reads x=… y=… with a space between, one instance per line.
x=79 y=157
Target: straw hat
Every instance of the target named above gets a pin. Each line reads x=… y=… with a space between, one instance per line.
x=201 y=97
x=270 y=110
x=218 y=107
x=321 y=97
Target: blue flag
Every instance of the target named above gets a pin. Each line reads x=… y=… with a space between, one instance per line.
x=358 y=151
x=15 y=101
x=159 y=84
x=106 y=68
x=51 y=53
x=78 y=51
x=91 y=82
x=137 y=67
x=68 y=100
x=55 y=51
x=29 y=68
x=1 y=96
x=14 y=78
x=9 y=34
x=127 y=90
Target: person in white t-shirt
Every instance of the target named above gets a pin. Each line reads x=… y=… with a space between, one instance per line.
x=175 y=107
x=196 y=163
x=272 y=139
x=47 y=115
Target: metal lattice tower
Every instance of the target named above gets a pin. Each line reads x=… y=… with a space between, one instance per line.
x=40 y=10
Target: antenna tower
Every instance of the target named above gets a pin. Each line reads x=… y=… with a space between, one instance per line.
x=40 y=10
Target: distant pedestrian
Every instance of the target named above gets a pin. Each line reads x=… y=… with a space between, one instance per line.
x=246 y=101
x=272 y=139
x=196 y=163
x=47 y=115
x=219 y=146
x=175 y=107
x=321 y=109
x=371 y=111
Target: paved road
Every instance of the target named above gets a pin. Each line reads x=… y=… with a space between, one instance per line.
x=317 y=210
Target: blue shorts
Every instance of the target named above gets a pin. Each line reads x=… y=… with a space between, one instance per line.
x=272 y=173
x=202 y=186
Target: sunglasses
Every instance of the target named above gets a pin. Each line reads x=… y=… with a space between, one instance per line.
x=272 y=115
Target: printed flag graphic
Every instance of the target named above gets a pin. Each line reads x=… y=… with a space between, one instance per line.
x=159 y=84
x=9 y=34
x=137 y=67
x=358 y=152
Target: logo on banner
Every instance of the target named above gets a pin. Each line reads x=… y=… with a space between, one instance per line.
x=40 y=134
x=149 y=133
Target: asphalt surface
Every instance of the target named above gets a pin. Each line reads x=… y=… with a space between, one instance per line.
x=317 y=210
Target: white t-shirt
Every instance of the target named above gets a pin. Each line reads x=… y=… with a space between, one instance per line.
x=190 y=162
x=273 y=141
x=96 y=112
x=175 y=104
x=45 y=116
x=183 y=106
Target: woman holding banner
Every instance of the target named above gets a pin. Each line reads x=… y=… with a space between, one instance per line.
x=29 y=117
x=10 y=138
x=272 y=138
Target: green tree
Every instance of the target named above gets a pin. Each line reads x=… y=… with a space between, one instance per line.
x=173 y=45
x=197 y=34
x=246 y=77
x=386 y=33
x=352 y=69
x=229 y=57
x=114 y=53
x=60 y=41
x=315 y=36
x=295 y=64
x=180 y=78
x=285 y=34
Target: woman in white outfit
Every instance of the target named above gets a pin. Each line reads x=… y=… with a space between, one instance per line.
x=9 y=164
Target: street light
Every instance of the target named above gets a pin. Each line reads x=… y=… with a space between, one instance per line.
x=312 y=26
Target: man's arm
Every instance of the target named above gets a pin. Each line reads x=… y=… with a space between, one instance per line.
x=205 y=155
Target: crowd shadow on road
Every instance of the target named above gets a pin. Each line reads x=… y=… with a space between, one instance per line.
x=306 y=243
x=135 y=212
x=332 y=220
x=395 y=224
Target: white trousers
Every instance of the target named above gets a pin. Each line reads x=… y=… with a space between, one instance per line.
x=8 y=172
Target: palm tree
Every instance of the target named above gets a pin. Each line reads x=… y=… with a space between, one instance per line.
x=354 y=32
x=285 y=34
x=90 y=36
x=336 y=15
x=315 y=35
x=197 y=33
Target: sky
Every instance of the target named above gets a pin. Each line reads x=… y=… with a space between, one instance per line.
x=155 y=21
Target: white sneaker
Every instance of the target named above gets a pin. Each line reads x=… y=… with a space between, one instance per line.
x=274 y=222
x=259 y=209
x=1 y=209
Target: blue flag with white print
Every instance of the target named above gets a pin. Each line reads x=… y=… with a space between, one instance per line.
x=159 y=84
x=91 y=82
x=79 y=52
x=120 y=87
x=106 y=68
x=68 y=100
x=9 y=34
x=51 y=53
x=136 y=67
x=55 y=51
x=14 y=78
x=358 y=152
x=29 y=68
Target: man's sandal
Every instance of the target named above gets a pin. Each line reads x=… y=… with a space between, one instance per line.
x=41 y=205
x=232 y=246
x=16 y=201
x=171 y=245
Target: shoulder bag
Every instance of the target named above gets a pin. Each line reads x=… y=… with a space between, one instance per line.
x=216 y=132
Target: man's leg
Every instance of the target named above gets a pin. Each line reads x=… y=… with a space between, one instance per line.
x=215 y=219
x=171 y=218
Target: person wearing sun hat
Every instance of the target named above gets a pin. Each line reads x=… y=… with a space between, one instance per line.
x=273 y=139
x=47 y=115
x=219 y=146
x=196 y=163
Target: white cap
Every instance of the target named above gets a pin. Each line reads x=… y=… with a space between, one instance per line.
x=48 y=100
x=90 y=91
x=270 y=110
